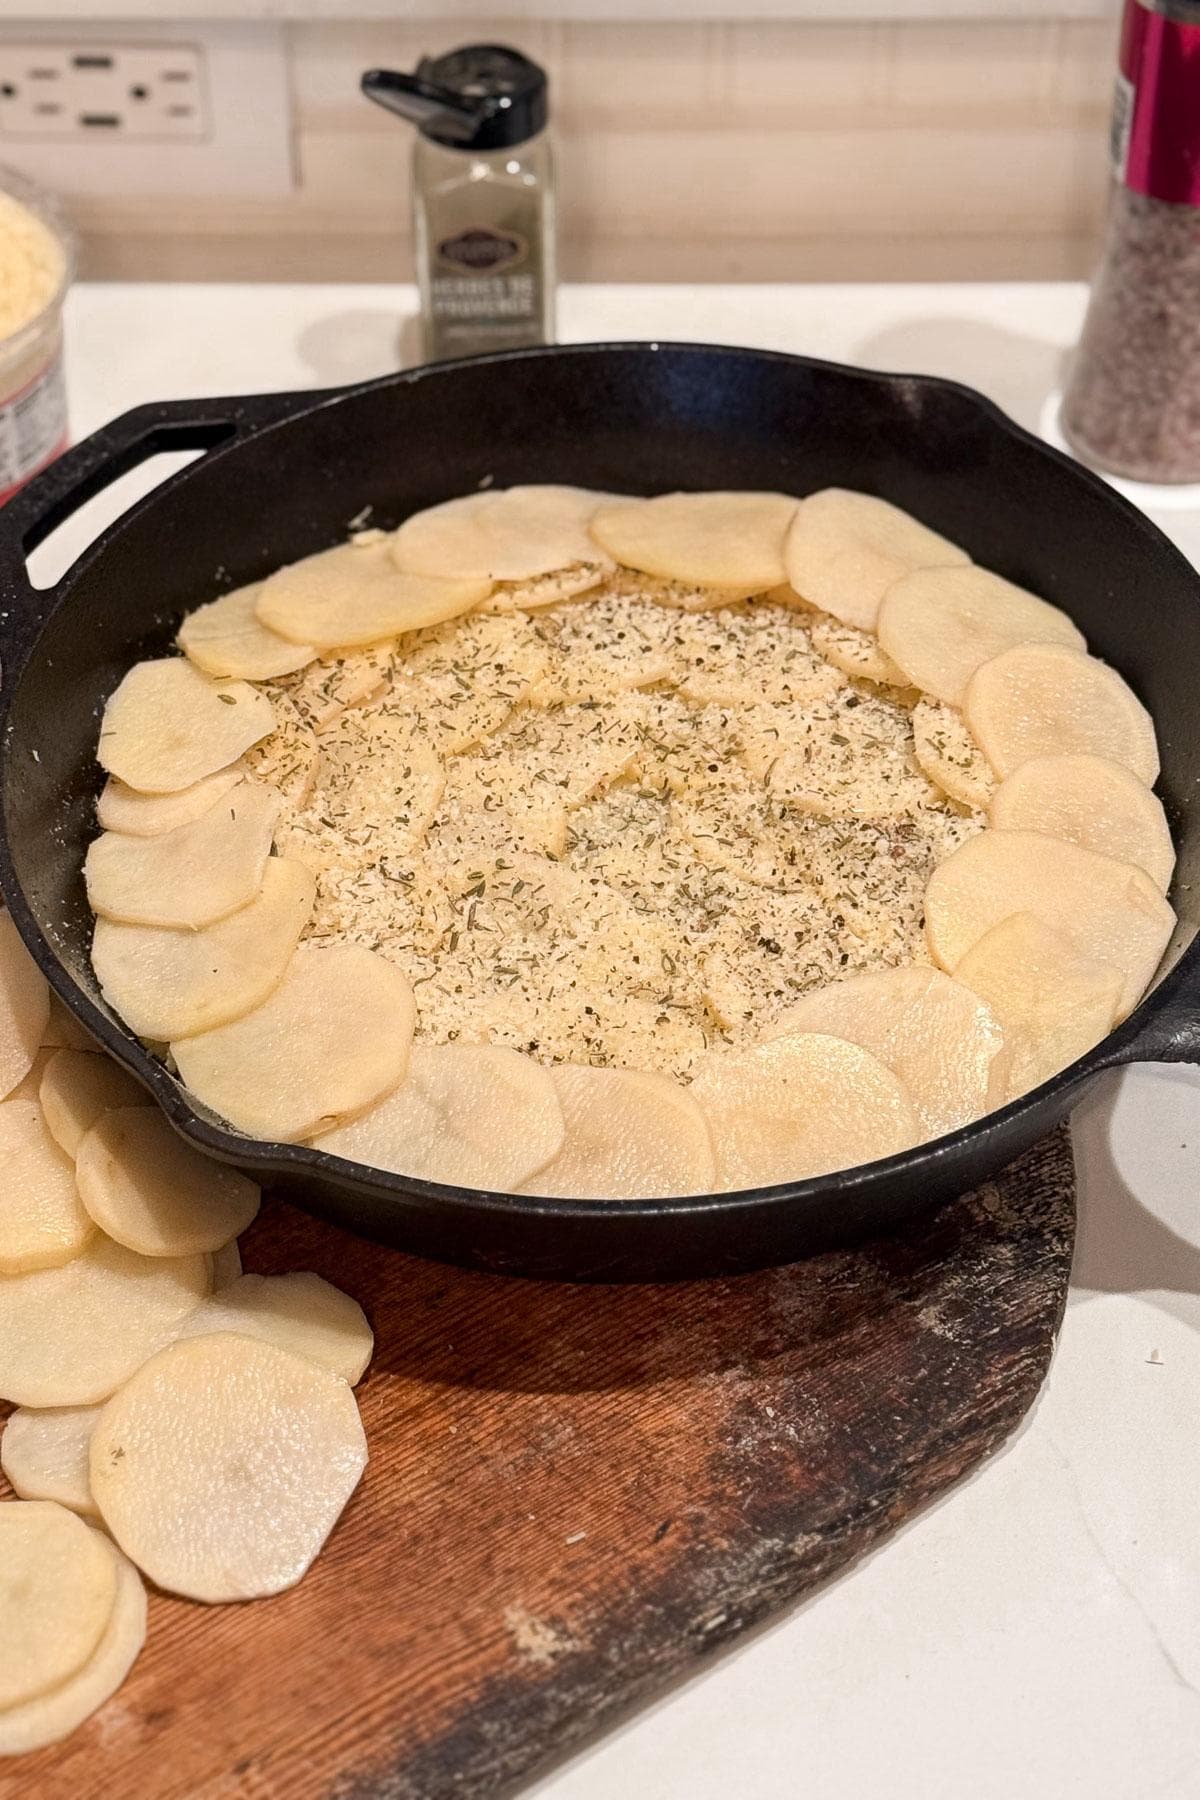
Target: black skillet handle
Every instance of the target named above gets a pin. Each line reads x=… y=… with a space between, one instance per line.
x=1165 y=1028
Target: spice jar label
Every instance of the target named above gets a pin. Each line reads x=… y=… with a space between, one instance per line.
x=481 y=248
x=33 y=427
x=1156 y=113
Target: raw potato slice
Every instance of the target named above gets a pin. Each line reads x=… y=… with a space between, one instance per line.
x=42 y=1222
x=855 y=653
x=63 y=1030
x=724 y=539
x=24 y=1007
x=538 y=591
x=1053 y=1004
x=333 y=1037
x=223 y=1465
x=122 y=808
x=167 y=726
x=801 y=1106
x=76 y=1087
x=516 y=534
x=69 y=1336
x=192 y=876
x=1109 y=910
x=227 y=637
x=226 y=1265
x=631 y=1134
x=932 y=1032
x=941 y=625
x=949 y=755
x=1092 y=801
x=354 y=594
x=845 y=549
x=172 y=984
x=1048 y=700
x=45 y=1455
x=58 y=1586
x=470 y=1115
x=54 y=1715
x=153 y=1193
x=297 y=1312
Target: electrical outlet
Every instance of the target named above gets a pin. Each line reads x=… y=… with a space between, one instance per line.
x=52 y=89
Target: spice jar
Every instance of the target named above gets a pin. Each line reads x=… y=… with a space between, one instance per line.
x=483 y=196
x=36 y=264
x=1132 y=401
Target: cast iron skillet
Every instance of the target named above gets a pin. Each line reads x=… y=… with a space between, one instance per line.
x=283 y=476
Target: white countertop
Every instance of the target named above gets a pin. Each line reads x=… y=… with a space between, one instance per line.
x=1036 y=1635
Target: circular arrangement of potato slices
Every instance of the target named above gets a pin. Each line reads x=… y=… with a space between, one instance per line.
x=45 y=1454
x=57 y=1589
x=1052 y=700
x=153 y=1193
x=519 y=534
x=354 y=594
x=24 y=1007
x=42 y=1220
x=630 y=1134
x=845 y=549
x=714 y=540
x=1092 y=801
x=76 y=1086
x=298 y=1312
x=940 y=625
x=167 y=726
x=227 y=638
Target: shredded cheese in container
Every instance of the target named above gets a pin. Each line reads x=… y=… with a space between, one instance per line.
x=35 y=269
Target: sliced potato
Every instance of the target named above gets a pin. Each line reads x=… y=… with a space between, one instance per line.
x=539 y=591
x=940 y=625
x=855 y=652
x=57 y=1588
x=333 y=1037
x=297 y=1312
x=221 y=1467
x=192 y=876
x=513 y=534
x=24 y=1007
x=935 y=1034
x=69 y=1336
x=172 y=984
x=354 y=594
x=63 y=1030
x=51 y=1716
x=471 y=1115
x=717 y=540
x=226 y=1265
x=76 y=1087
x=802 y=1105
x=1054 y=1005
x=1092 y=801
x=1109 y=910
x=124 y=809
x=845 y=549
x=227 y=637
x=949 y=755
x=290 y=758
x=1051 y=700
x=630 y=1135
x=167 y=726
x=45 y=1454
x=42 y=1222
x=153 y=1193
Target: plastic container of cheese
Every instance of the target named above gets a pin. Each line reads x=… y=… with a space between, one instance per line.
x=37 y=262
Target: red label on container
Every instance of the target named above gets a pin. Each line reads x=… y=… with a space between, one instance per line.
x=1156 y=119
x=33 y=427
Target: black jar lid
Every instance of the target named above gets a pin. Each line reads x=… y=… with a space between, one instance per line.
x=478 y=97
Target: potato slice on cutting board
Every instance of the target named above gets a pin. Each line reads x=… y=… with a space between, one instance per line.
x=354 y=594
x=222 y=1466
x=940 y=625
x=334 y=1036
x=42 y=1221
x=854 y=652
x=1053 y=1003
x=936 y=1035
x=1052 y=700
x=510 y=534
x=845 y=549
x=227 y=637
x=172 y=984
x=631 y=1134
x=1092 y=801
x=24 y=1007
x=718 y=540
x=167 y=726
x=192 y=876
x=76 y=1087
x=1110 y=911
x=45 y=1454
x=154 y=1193
x=470 y=1115
x=949 y=755
x=58 y=1586
x=70 y=1335
x=124 y=809
x=297 y=1312
x=53 y=1715
x=799 y=1106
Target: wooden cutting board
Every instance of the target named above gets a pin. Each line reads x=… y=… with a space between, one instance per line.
x=576 y=1493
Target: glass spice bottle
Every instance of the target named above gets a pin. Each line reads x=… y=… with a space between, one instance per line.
x=483 y=196
x=1132 y=401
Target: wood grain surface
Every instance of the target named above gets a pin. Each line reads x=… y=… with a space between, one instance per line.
x=574 y=1495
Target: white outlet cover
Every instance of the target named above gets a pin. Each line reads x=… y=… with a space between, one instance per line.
x=245 y=152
